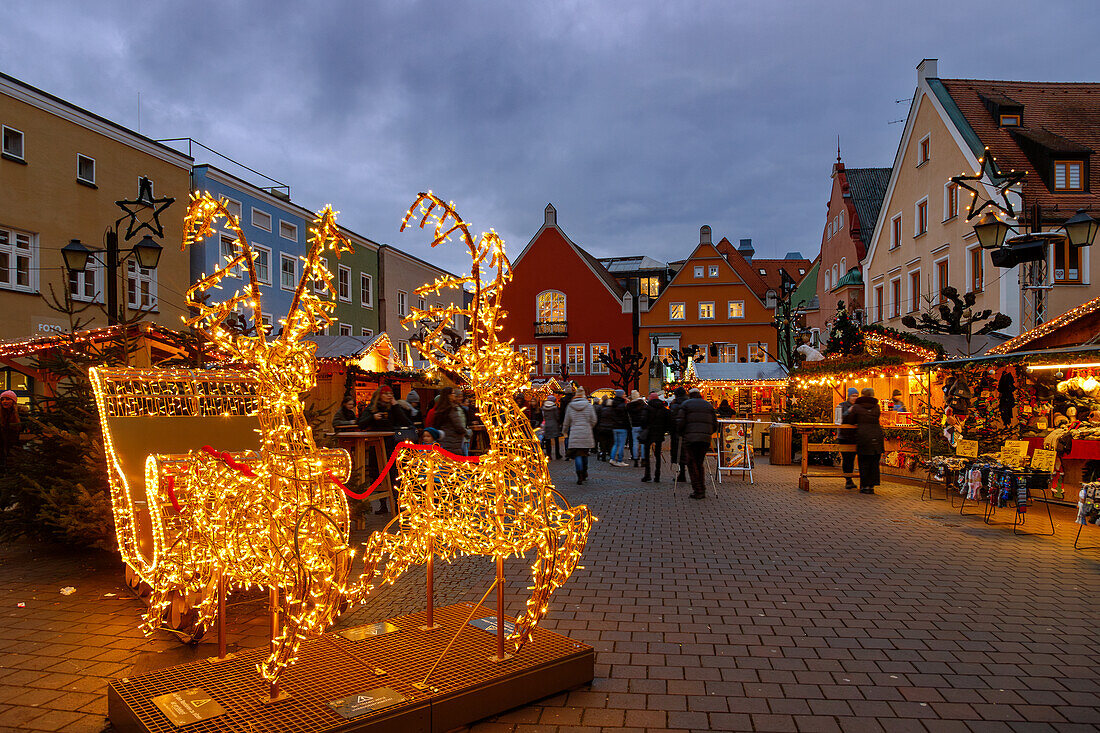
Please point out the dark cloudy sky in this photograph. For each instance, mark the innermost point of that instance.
(639, 120)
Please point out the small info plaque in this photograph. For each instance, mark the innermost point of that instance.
(1043, 460)
(362, 703)
(188, 706)
(358, 633)
(489, 623)
(967, 448)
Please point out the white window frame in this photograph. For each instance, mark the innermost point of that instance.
(93, 270)
(896, 224)
(723, 352)
(267, 322)
(223, 259)
(755, 349)
(402, 302)
(343, 287)
(698, 270)
(256, 262)
(531, 353)
(828, 281)
(30, 253)
(683, 311)
(920, 146)
(937, 285)
(345, 329)
(702, 305)
(319, 283)
(80, 178)
(404, 355)
(579, 367)
(878, 301)
(843, 266)
(288, 225)
(262, 213)
(547, 369)
(420, 303)
(594, 350)
(913, 297)
(564, 306)
(141, 275)
(22, 154)
(284, 257)
(367, 280)
(366, 333)
(969, 267)
(231, 204)
(729, 309)
(712, 270)
(895, 308)
(947, 215)
(916, 217)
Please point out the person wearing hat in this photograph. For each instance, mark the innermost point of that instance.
(896, 403)
(550, 420)
(697, 422)
(870, 440)
(430, 436)
(9, 425)
(847, 436)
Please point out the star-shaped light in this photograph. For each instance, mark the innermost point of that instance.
(143, 201)
(991, 172)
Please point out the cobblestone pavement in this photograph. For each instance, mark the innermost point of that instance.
(760, 608)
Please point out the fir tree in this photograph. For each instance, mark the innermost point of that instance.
(845, 338)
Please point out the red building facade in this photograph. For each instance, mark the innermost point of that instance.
(564, 308)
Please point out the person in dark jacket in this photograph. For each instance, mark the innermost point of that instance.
(724, 409)
(847, 436)
(604, 436)
(869, 439)
(696, 422)
(635, 410)
(620, 428)
(551, 427)
(347, 416)
(656, 422)
(9, 425)
(451, 419)
(676, 452)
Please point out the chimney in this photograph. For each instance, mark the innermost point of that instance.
(926, 69)
(704, 235)
(745, 249)
(551, 216)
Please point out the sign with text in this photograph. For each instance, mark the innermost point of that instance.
(966, 448)
(1014, 452)
(489, 623)
(362, 703)
(1043, 460)
(188, 706)
(358, 633)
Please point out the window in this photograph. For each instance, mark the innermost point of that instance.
(836, 276)
(675, 311)
(17, 252)
(85, 285)
(345, 329)
(921, 218)
(420, 303)
(402, 303)
(828, 281)
(366, 298)
(85, 169)
(13, 143)
(1010, 120)
(757, 352)
(261, 220)
(263, 264)
(649, 286)
(727, 353)
(233, 207)
(551, 359)
(895, 232)
(403, 353)
(763, 271)
(288, 231)
(575, 358)
(698, 271)
(706, 310)
(802, 271)
(550, 306)
(735, 309)
(1067, 262)
(343, 284)
(895, 298)
(265, 322)
(923, 150)
(843, 266)
(595, 351)
(712, 270)
(942, 280)
(914, 291)
(366, 333)
(1067, 175)
(950, 201)
(976, 270)
(531, 353)
(141, 287)
(877, 315)
(227, 249)
(288, 272)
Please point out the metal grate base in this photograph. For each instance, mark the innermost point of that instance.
(465, 687)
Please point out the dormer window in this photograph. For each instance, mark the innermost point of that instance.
(1010, 120)
(1069, 175)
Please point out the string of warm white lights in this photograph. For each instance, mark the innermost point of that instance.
(1043, 329)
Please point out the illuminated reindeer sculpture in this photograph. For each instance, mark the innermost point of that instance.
(221, 516)
(504, 503)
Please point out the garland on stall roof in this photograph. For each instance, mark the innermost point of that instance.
(847, 364)
(909, 339)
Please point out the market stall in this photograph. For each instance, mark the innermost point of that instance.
(755, 392)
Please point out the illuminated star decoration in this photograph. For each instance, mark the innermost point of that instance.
(991, 172)
(143, 201)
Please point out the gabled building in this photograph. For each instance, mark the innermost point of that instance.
(565, 308)
(851, 213)
(922, 241)
(716, 301)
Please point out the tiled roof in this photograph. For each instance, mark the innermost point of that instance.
(867, 187)
(1061, 117)
(742, 267)
(771, 269)
(601, 271)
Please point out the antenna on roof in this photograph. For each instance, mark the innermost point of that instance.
(838, 147)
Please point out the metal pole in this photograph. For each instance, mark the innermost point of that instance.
(221, 615)
(429, 569)
(500, 609)
(273, 599)
(112, 276)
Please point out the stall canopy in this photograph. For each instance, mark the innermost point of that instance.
(370, 355)
(763, 374)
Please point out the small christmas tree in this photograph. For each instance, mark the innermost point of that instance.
(845, 338)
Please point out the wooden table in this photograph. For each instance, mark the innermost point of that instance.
(358, 443)
(807, 447)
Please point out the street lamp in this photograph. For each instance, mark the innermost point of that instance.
(146, 252)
